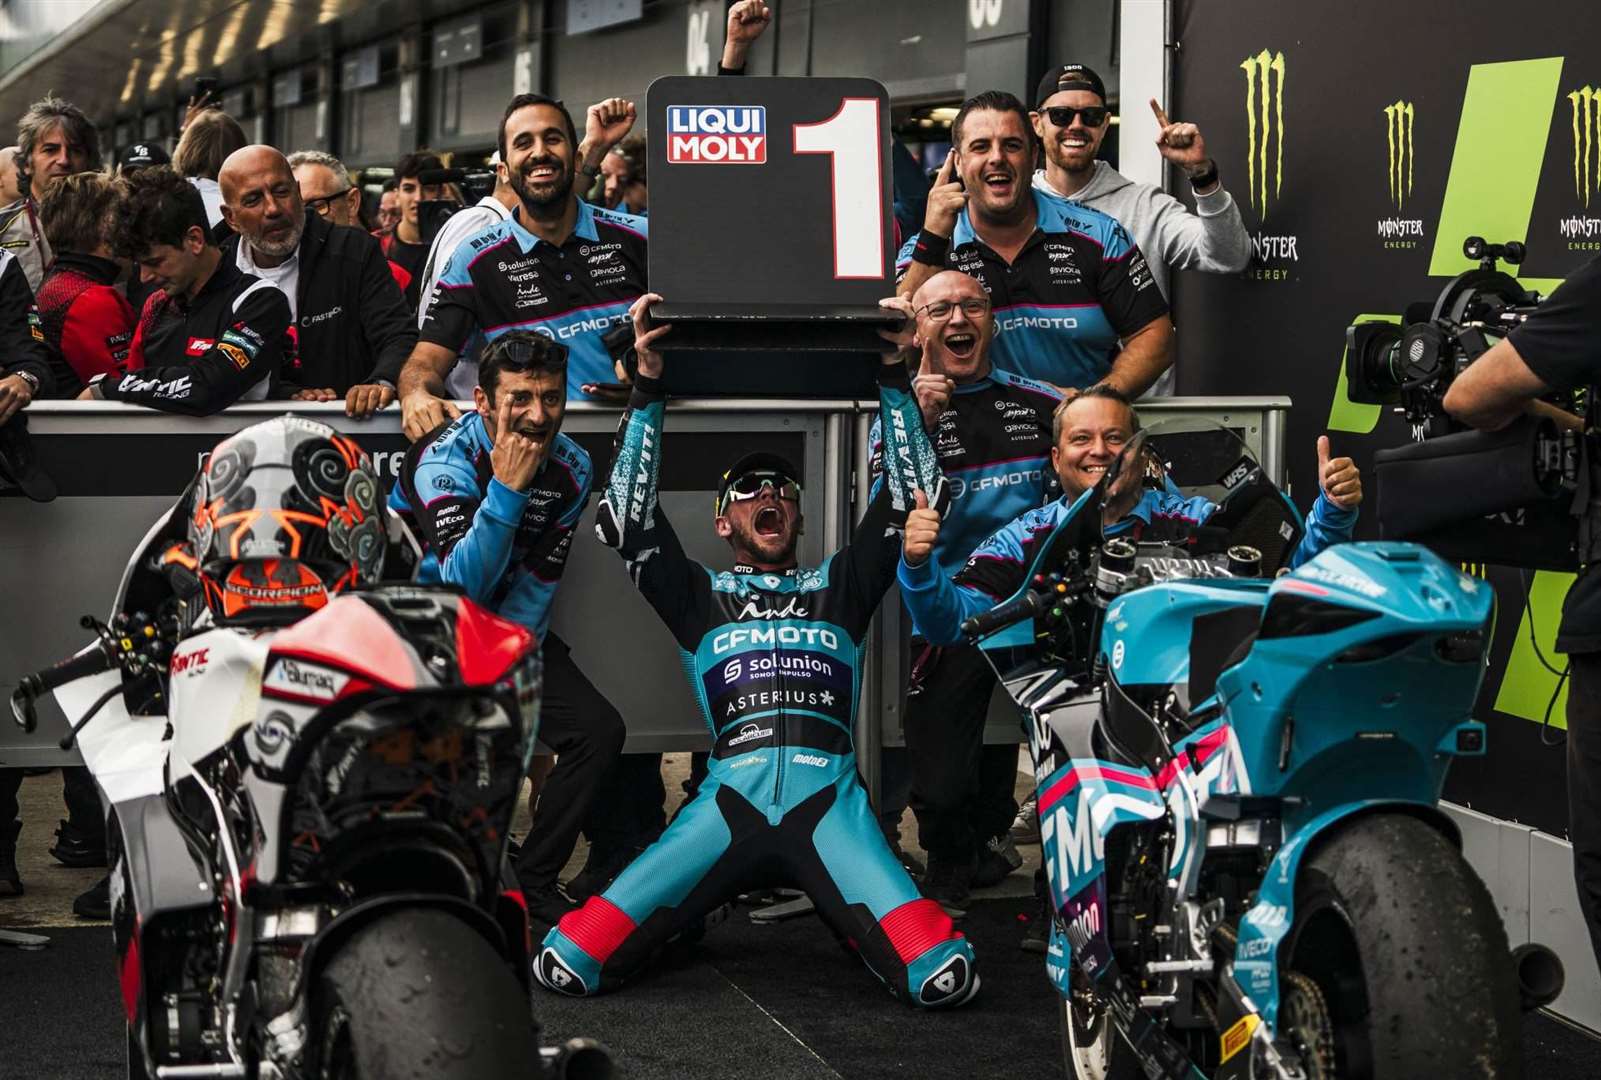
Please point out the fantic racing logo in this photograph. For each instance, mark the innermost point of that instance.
(1264, 159)
(716, 135)
(1399, 124)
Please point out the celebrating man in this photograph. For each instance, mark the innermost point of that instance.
(774, 650)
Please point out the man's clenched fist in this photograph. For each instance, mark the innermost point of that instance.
(922, 531)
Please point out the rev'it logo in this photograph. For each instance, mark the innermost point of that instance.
(1264, 125)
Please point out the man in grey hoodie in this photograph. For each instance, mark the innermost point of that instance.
(1212, 237)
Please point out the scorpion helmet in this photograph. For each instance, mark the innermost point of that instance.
(284, 514)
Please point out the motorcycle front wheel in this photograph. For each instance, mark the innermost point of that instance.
(1409, 953)
(419, 993)
(1092, 1048)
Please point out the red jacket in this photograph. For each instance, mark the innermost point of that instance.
(87, 323)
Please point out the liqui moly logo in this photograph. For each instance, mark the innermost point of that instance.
(716, 134)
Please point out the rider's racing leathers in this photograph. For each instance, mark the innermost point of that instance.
(774, 659)
(995, 570)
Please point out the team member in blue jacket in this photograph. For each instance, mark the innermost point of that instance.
(991, 431)
(1091, 429)
(496, 495)
(773, 651)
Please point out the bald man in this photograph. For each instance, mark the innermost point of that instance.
(353, 327)
(10, 182)
(991, 431)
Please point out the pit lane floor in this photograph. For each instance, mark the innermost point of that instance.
(776, 1001)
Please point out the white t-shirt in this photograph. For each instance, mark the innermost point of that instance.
(286, 275)
(211, 195)
(463, 378)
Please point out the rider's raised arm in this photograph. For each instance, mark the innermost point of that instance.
(471, 537)
(909, 466)
(630, 519)
(1326, 526)
(993, 573)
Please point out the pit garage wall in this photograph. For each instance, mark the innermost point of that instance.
(1364, 141)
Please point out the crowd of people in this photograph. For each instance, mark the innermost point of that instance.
(1032, 279)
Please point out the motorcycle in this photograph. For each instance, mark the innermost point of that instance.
(308, 830)
(1238, 781)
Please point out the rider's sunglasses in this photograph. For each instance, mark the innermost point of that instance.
(323, 204)
(520, 350)
(752, 484)
(1062, 115)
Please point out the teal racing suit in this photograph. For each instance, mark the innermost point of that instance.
(774, 658)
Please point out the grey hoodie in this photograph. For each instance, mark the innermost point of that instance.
(1170, 235)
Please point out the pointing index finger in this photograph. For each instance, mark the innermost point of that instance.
(944, 174)
(503, 418)
(1161, 117)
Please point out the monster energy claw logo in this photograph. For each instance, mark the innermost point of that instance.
(1586, 102)
(1399, 123)
(1269, 68)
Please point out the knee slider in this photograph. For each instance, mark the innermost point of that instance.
(944, 976)
(560, 966)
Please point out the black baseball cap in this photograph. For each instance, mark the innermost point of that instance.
(1069, 77)
(18, 466)
(760, 461)
(142, 156)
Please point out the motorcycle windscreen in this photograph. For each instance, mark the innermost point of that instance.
(1200, 473)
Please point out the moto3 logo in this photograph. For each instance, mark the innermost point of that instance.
(952, 979)
(810, 759)
(557, 976)
(984, 13)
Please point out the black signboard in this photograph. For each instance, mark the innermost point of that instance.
(772, 236)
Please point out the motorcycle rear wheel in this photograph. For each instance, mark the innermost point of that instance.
(419, 993)
(1408, 949)
(1092, 1048)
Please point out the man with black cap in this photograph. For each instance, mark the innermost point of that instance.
(1073, 298)
(1071, 118)
(772, 650)
(141, 156)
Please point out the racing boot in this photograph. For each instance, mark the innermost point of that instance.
(95, 902)
(79, 846)
(997, 859)
(949, 883)
(1026, 826)
(10, 880)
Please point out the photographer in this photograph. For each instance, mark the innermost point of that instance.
(1558, 348)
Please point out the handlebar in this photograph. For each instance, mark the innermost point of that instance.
(31, 687)
(1015, 610)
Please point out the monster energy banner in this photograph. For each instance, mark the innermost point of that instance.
(1364, 142)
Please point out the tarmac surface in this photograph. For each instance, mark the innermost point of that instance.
(771, 1001)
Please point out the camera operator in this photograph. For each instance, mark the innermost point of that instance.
(1558, 348)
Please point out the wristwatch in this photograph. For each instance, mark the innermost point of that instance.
(31, 379)
(1207, 178)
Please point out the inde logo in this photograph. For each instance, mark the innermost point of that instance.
(716, 135)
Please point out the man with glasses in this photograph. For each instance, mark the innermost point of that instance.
(328, 191)
(496, 495)
(773, 652)
(1073, 299)
(1071, 119)
(991, 432)
(352, 328)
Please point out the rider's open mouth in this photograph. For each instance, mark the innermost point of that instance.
(769, 522)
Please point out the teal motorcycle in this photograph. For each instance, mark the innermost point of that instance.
(1238, 775)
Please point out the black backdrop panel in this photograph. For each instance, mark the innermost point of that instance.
(1363, 142)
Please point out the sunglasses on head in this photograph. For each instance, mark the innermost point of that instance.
(521, 351)
(751, 484)
(1062, 115)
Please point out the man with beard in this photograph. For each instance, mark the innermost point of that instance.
(496, 495)
(991, 431)
(557, 266)
(772, 650)
(1071, 119)
(212, 334)
(353, 330)
(1073, 299)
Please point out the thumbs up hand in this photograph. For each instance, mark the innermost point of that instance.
(1338, 477)
(922, 531)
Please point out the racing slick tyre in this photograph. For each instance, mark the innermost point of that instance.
(1409, 952)
(419, 993)
(1092, 1048)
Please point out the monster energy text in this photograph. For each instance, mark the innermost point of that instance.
(1400, 121)
(1264, 161)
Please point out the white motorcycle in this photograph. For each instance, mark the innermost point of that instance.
(308, 813)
